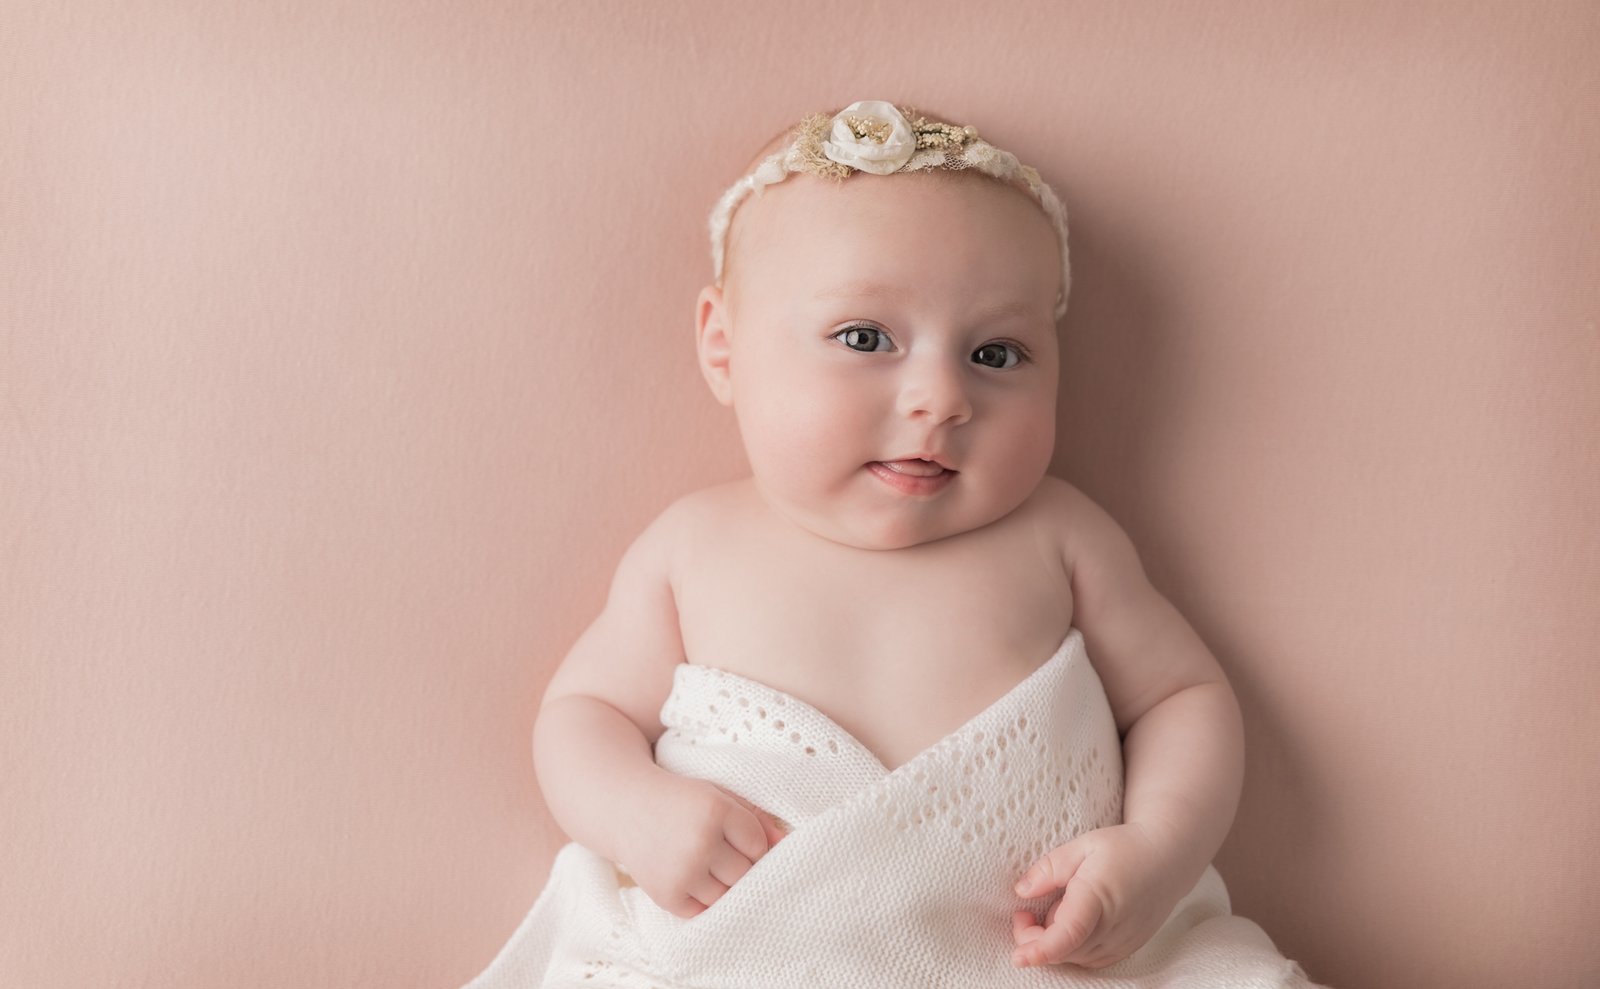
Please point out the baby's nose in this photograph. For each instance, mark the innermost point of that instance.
(935, 391)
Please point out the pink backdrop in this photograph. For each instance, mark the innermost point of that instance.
(344, 346)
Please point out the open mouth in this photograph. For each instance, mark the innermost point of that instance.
(913, 477)
(913, 468)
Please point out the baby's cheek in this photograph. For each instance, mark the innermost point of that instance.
(816, 413)
(1029, 446)
(1039, 443)
(791, 436)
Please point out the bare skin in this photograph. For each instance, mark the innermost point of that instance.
(900, 597)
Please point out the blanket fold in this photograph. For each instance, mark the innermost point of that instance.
(886, 878)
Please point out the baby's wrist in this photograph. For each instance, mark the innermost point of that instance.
(633, 797)
(1175, 850)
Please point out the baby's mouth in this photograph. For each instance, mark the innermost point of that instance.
(915, 468)
(914, 476)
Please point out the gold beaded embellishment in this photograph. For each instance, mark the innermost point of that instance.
(868, 129)
(936, 135)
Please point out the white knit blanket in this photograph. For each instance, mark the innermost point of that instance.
(886, 879)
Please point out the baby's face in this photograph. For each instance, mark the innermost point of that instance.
(889, 348)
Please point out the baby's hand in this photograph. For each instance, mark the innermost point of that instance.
(1120, 889)
(699, 839)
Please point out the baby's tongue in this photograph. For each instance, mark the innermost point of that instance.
(916, 468)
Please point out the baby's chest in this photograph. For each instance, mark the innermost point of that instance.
(898, 653)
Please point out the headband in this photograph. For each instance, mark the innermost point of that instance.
(878, 137)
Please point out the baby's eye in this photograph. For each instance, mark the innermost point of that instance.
(997, 355)
(864, 338)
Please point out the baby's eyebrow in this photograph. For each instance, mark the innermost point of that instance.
(1005, 310)
(852, 290)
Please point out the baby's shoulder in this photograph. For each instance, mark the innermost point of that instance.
(1059, 505)
(712, 508)
(1068, 518)
(692, 518)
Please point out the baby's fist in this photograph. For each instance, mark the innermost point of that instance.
(699, 840)
(1118, 890)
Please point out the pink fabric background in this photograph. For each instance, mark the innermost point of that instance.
(343, 348)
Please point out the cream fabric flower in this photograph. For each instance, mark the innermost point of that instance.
(870, 135)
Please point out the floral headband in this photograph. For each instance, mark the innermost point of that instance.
(880, 138)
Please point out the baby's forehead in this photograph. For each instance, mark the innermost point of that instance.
(808, 213)
(951, 235)
(940, 203)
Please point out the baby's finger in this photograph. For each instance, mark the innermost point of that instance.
(772, 829)
(745, 833)
(707, 890)
(1074, 923)
(728, 865)
(1053, 870)
(775, 829)
(1024, 927)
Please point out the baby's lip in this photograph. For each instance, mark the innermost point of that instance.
(920, 464)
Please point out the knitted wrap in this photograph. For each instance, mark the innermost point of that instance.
(887, 878)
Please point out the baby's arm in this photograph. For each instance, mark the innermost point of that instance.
(1183, 749)
(683, 841)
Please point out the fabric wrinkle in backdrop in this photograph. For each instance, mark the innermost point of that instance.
(344, 347)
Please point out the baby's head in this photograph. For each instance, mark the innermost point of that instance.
(885, 326)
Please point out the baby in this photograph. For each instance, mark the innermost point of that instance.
(878, 609)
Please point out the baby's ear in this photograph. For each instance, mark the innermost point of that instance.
(712, 342)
